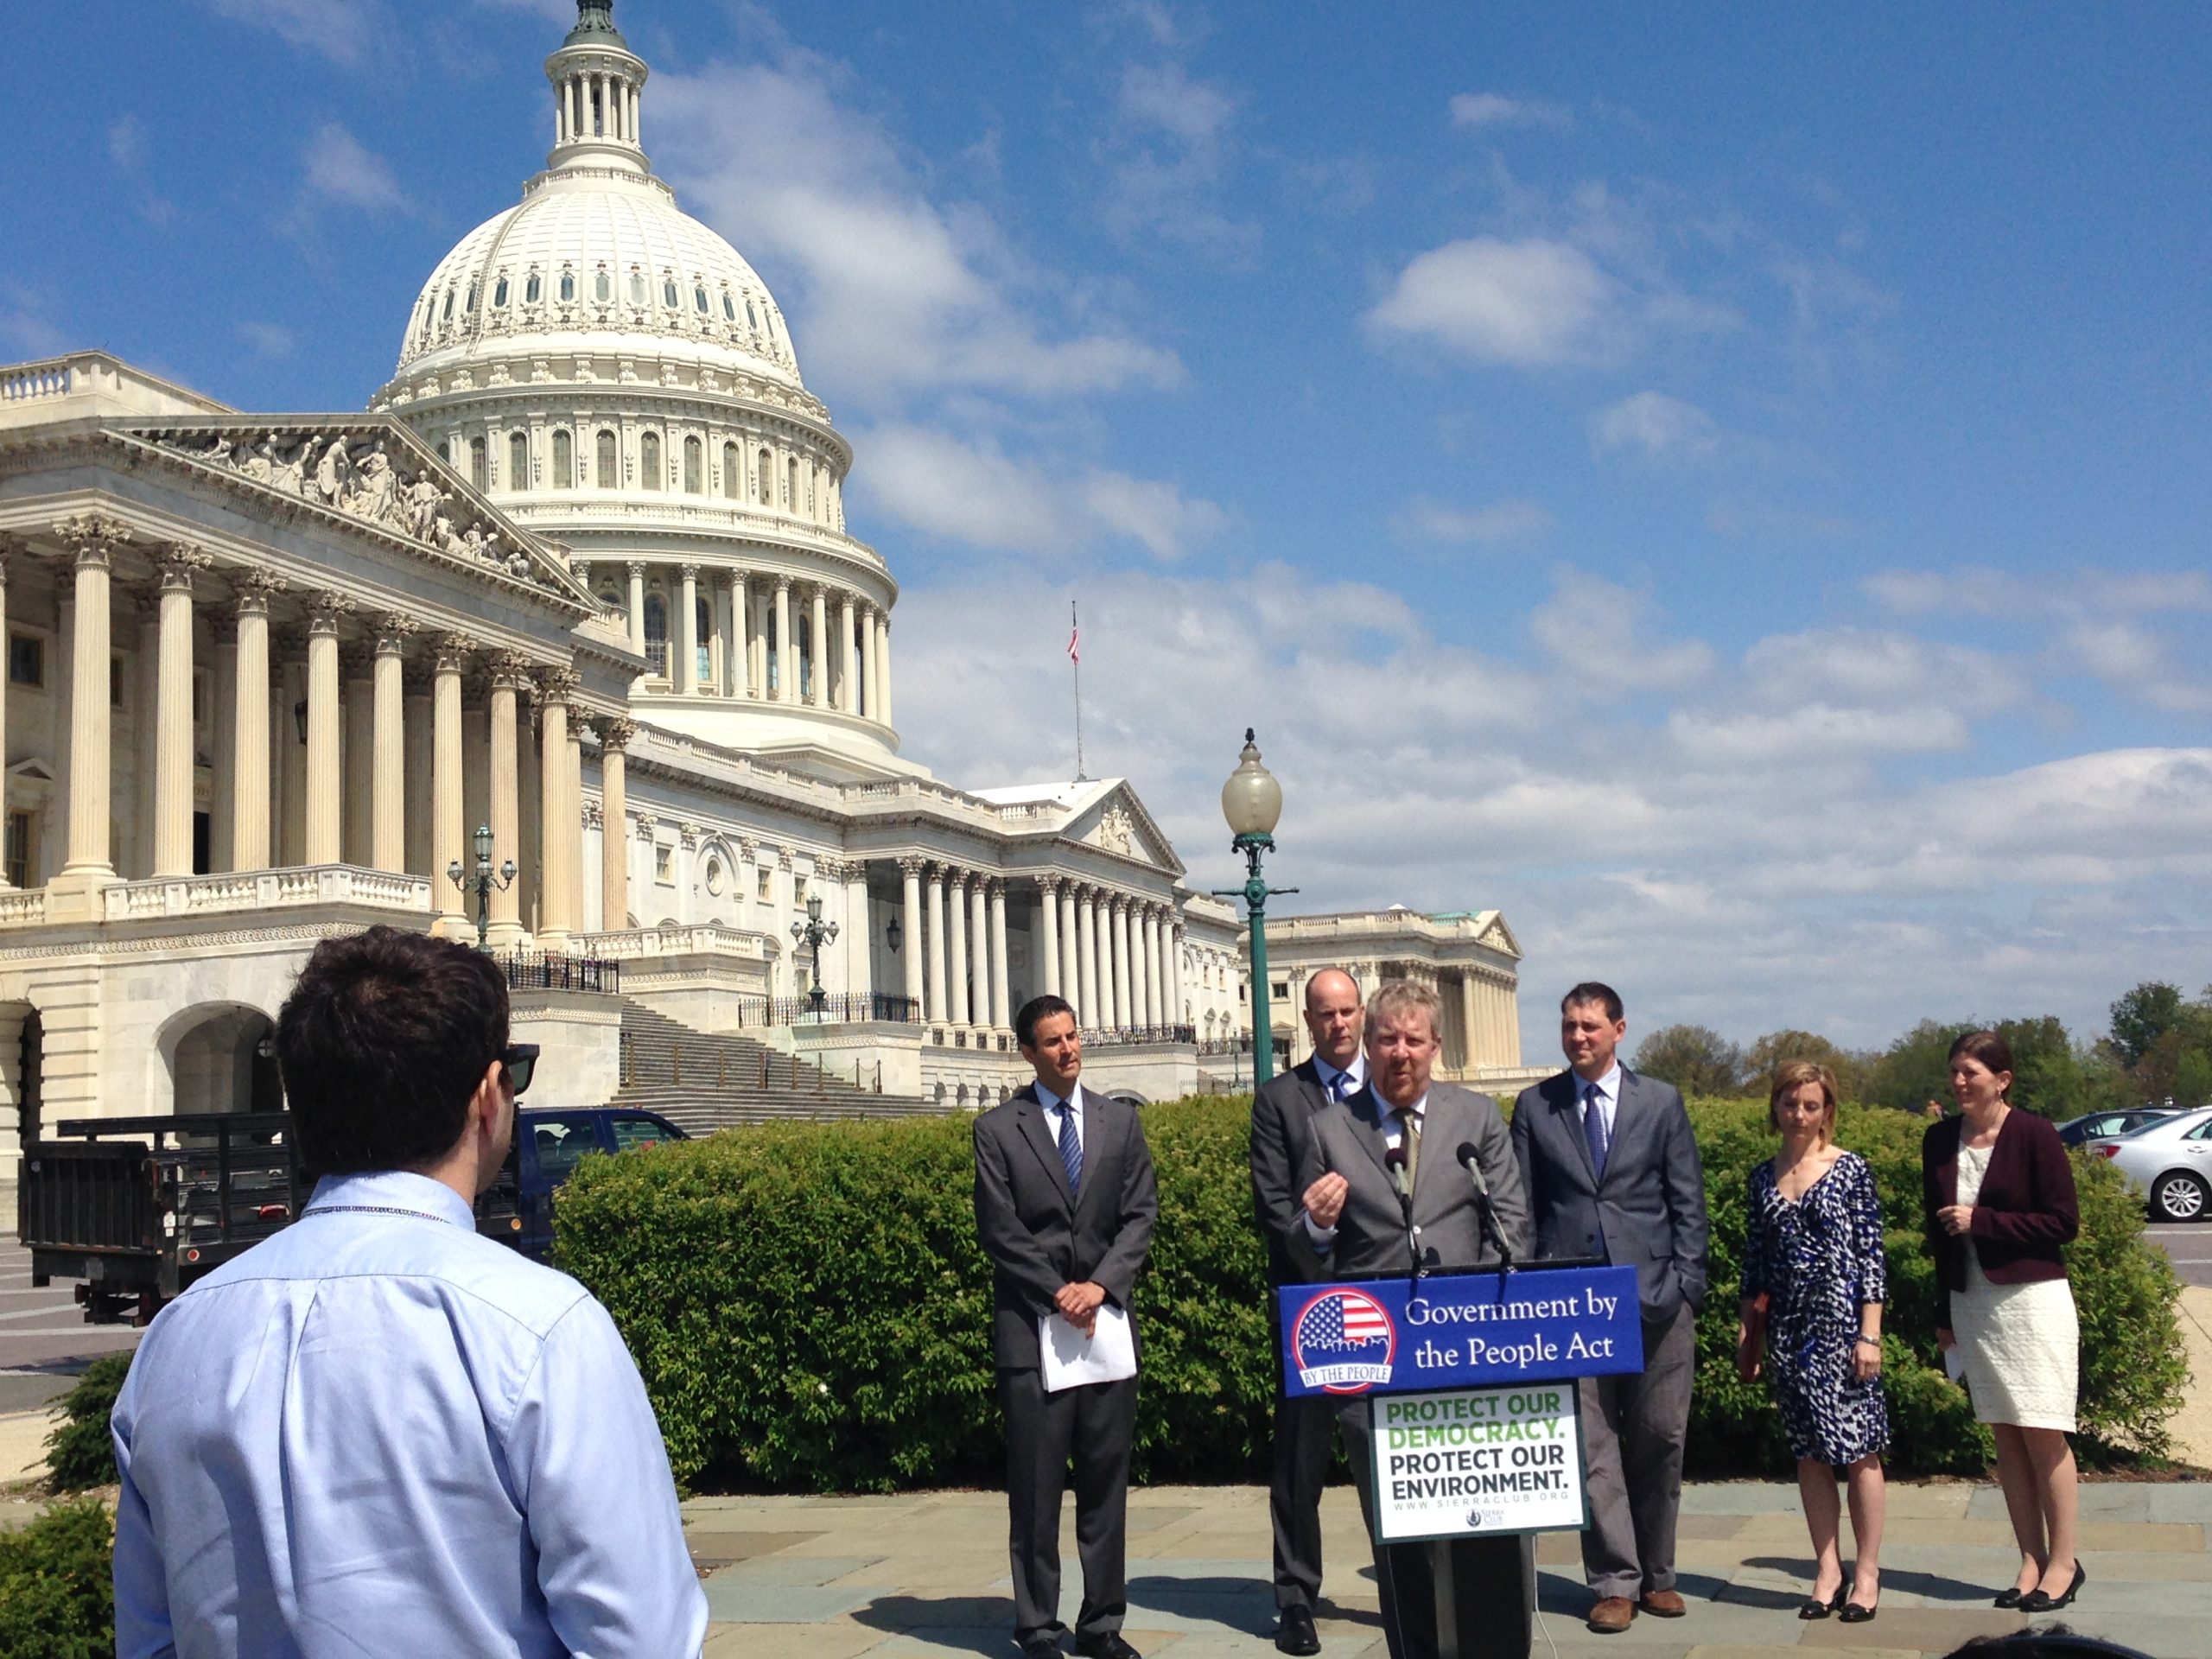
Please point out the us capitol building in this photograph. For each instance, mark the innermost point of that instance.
(581, 575)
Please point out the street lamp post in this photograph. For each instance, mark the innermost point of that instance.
(1252, 801)
(483, 881)
(814, 933)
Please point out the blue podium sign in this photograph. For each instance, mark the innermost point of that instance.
(1460, 1330)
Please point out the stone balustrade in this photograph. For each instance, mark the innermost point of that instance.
(284, 889)
(699, 938)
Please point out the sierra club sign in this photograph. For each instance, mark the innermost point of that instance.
(1460, 1329)
(1478, 1460)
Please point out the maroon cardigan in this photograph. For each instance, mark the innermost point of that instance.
(2026, 1209)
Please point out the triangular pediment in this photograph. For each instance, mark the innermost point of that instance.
(1494, 934)
(1117, 822)
(371, 473)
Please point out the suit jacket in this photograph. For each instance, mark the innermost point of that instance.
(1647, 1213)
(1038, 1238)
(2026, 1209)
(1370, 1242)
(1282, 1114)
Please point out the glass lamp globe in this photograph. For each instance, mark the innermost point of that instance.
(1251, 800)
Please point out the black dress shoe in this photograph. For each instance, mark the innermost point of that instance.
(2012, 1598)
(1041, 1647)
(1109, 1646)
(1295, 1633)
(1856, 1613)
(2038, 1602)
(1814, 1607)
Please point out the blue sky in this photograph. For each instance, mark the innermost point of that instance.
(1728, 486)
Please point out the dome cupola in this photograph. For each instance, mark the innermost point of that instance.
(597, 86)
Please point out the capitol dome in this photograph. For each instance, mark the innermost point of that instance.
(618, 378)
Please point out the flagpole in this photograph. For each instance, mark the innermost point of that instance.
(1075, 659)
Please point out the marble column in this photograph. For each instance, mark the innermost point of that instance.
(1089, 1014)
(686, 632)
(956, 905)
(1175, 1010)
(638, 607)
(1156, 971)
(92, 539)
(324, 786)
(1045, 936)
(818, 648)
(740, 641)
(554, 923)
(979, 951)
(1118, 914)
(1001, 1001)
(848, 690)
(250, 765)
(871, 669)
(572, 822)
(614, 737)
(356, 665)
(1139, 980)
(388, 738)
(1071, 951)
(448, 821)
(883, 664)
(717, 640)
(935, 1013)
(509, 674)
(909, 881)
(787, 658)
(172, 711)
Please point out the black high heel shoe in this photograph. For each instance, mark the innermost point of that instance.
(2036, 1602)
(1814, 1607)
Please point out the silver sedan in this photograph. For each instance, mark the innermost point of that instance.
(2169, 1161)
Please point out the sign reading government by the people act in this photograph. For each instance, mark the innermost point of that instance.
(1477, 1460)
(1460, 1330)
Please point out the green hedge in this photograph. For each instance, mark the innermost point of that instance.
(81, 1452)
(811, 1310)
(57, 1598)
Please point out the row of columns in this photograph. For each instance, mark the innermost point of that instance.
(379, 737)
(1113, 955)
(958, 969)
(1490, 1019)
(596, 106)
(852, 675)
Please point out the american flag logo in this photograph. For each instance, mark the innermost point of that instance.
(1342, 1342)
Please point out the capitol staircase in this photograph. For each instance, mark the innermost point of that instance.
(704, 1081)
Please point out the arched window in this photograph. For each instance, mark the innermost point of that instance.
(732, 473)
(609, 473)
(752, 319)
(517, 460)
(656, 634)
(564, 462)
(729, 307)
(699, 300)
(637, 287)
(480, 464)
(649, 476)
(568, 286)
(471, 306)
(694, 466)
(765, 475)
(499, 296)
(603, 286)
(812, 474)
(609, 600)
(445, 316)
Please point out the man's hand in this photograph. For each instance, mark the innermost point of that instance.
(1956, 1218)
(1079, 1305)
(1325, 1199)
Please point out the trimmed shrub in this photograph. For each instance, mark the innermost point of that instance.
(811, 1310)
(81, 1453)
(57, 1598)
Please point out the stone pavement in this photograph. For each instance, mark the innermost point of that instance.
(924, 1576)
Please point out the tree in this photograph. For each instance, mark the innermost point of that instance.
(2141, 1017)
(1916, 1069)
(1696, 1059)
(1778, 1048)
(2052, 1079)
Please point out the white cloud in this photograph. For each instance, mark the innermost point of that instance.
(1426, 519)
(1527, 303)
(341, 169)
(25, 331)
(1496, 110)
(1172, 153)
(1655, 428)
(338, 29)
(1596, 633)
(270, 338)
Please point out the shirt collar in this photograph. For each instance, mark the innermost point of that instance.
(1608, 1087)
(397, 1190)
(1356, 1070)
(1387, 1112)
(1052, 1103)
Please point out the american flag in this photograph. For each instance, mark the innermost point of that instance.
(1075, 637)
(1347, 1319)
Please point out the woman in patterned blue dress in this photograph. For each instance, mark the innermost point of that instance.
(1813, 1248)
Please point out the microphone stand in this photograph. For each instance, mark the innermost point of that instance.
(1395, 1158)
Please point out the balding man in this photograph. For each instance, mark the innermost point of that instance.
(1282, 1114)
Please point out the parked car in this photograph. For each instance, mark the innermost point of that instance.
(2169, 1161)
(549, 1144)
(2107, 1126)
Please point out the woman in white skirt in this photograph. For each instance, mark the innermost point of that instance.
(1999, 1193)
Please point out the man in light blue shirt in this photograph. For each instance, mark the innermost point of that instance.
(377, 1433)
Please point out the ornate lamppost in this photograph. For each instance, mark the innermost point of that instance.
(483, 881)
(1252, 801)
(814, 933)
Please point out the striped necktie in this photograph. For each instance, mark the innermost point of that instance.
(1070, 1148)
(1409, 1140)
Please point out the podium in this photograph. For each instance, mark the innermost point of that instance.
(1469, 1421)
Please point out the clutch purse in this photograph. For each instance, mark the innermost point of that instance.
(1752, 1347)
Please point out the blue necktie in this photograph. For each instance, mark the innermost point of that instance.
(1593, 1127)
(1070, 1148)
(1340, 1087)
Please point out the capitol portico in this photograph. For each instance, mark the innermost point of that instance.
(581, 575)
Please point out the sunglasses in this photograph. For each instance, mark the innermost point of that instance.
(520, 1060)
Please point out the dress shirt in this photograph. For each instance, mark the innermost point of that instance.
(1325, 1238)
(1056, 1108)
(377, 1433)
(1329, 1074)
(1609, 1099)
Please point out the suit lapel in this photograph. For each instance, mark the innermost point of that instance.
(1441, 1131)
(1309, 1083)
(1568, 1109)
(1363, 1111)
(1030, 1115)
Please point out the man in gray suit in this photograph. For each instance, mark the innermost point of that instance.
(1612, 1171)
(1065, 1205)
(1381, 1166)
(1282, 1112)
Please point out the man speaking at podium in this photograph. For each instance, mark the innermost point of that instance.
(1384, 1184)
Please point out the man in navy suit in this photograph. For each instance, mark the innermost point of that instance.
(1611, 1170)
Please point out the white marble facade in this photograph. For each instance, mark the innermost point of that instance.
(581, 574)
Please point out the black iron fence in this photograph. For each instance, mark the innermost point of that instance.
(531, 970)
(1136, 1036)
(837, 1008)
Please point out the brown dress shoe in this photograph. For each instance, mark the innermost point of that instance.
(1611, 1614)
(1663, 1603)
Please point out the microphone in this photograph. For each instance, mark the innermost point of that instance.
(1485, 1212)
(1394, 1159)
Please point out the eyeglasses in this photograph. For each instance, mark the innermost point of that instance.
(520, 1060)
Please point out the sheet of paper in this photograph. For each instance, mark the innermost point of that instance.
(1071, 1359)
(1955, 1363)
